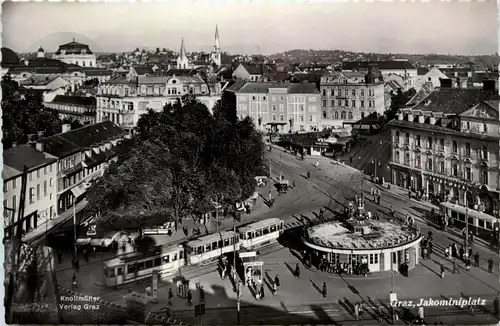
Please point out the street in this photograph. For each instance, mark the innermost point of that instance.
(331, 185)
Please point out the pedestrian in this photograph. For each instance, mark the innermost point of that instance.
(371, 191)
(447, 252)
(361, 308)
(189, 298)
(293, 184)
(350, 159)
(378, 199)
(490, 265)
(77, 264)
(297, 270)
(170, 297)
(74, 284)
(409, 194)
(421, 313)
(442, 270)
(476, 259)
(308, 175)
(471, 309)
(470, 252)
(262, 291)
(317, 164)
(324, 290)
(275, 288)
(356, 310)
(202, 295)
(277, 281)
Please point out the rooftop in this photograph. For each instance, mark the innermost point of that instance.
(37, 80)
(382, 234)
(74, 100)
(292, 88)
(454, 101)
(21, 155)
(385, 65)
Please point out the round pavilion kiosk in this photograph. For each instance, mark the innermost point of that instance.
(381, 244)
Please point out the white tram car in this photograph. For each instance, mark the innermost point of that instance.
(260, 233)
(208, 248)
(134, 266)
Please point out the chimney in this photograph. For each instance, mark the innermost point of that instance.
(432, 120)
(410, 117)
(445, 83)
(488, 85)
(400, 116)
(66, 127)
(39, 146)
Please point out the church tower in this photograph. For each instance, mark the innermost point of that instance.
(182, 59)
(216, 52)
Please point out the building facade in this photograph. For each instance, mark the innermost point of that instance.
(401, 68)
(447, 146)
(78, 108)
(290, 107)
(41, 188)
(349, 97)
(123, 100)
(75, 53)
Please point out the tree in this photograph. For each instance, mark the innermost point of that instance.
(23, 113)
(180, 160)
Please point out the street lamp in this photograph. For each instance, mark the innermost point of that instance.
(466, 229)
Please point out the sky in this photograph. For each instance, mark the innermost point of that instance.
(265, 27)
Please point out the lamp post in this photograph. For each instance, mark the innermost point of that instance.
(466, 229)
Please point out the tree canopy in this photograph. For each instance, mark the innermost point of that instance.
(23, 113)
(180, 161)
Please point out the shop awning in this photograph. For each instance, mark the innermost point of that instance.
(78, 190)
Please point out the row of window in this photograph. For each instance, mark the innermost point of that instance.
(345, 103)
(371, 92)
(144, 265)
(312, 118)
(482, 153)
(343, 115)
(281, 98)
(214, 245)
(260, 232)
(31, 176)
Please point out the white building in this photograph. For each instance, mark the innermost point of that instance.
(76, 53)
(432, 76)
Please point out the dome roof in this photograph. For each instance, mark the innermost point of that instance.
(40, 49)
(9, 56)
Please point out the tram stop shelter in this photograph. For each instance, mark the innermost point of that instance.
(252, 267)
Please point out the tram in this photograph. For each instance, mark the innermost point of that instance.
(208, 248)
(135, 266)
(260, 233)
(480, 223)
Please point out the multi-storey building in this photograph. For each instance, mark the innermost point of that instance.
(349, 97)
(401, 68)
(78, 108)
(41, 191)
(447, 146)
(76, 53)
(123, 100)
(292, 107)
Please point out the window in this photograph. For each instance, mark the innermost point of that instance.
(149, 264)
(350, 116)
(353, 92)
(362, 103)
(441, 166)
(166, 259)
(274, 117)
(253, 98)
(324, 103)
(342, 115)
(484, 177)
(301, 108)
(454, 147)
(311, 118)
(282, 107)
(429, 164)
(417, 160)
(467, 149)
(417, 141)
(339, 103)
(45, 188)
(362, 115)
(324, 92)
(324, 114)
(454, 169)
(339, 92)
(301, 118)
(274, 107)
(174, 258)
(468, 173)
(14, 202)
(441, 144)
(396, 140)
(407, 158)
(45, 169)
(336, 115)
(407, 138)
(263, 98)
(370, 103)
(32, 195)
(484, 153)
(14, 182)
(282, 98)
(51, 182)
(5, 186)
(429, 142)
(362, 92)
(396, 156)
(353, 103)
(282, 117)
(485, 127)
(346, 103)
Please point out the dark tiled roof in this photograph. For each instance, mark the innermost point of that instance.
(479, 77)
(424, 91)
(45, 63)
(258, 69)
(182, 72)
(74, 48)
(236, 86)
(292, 88)
(21, 155)
(73, 141)
(276, 76)
(142, 70)
(303, 88)
(454, 100)
(422, 71)
(74, 100)
(38, 80)
(357, 65)
(97, 72)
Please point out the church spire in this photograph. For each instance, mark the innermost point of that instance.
(182, 52)
(217, 42)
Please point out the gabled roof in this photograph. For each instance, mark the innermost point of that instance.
(21, 155)
(386, 65)
(258, 69)
(142, 70)
(67, 143)
(422, 71)
(455, 100)
(75, 100)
